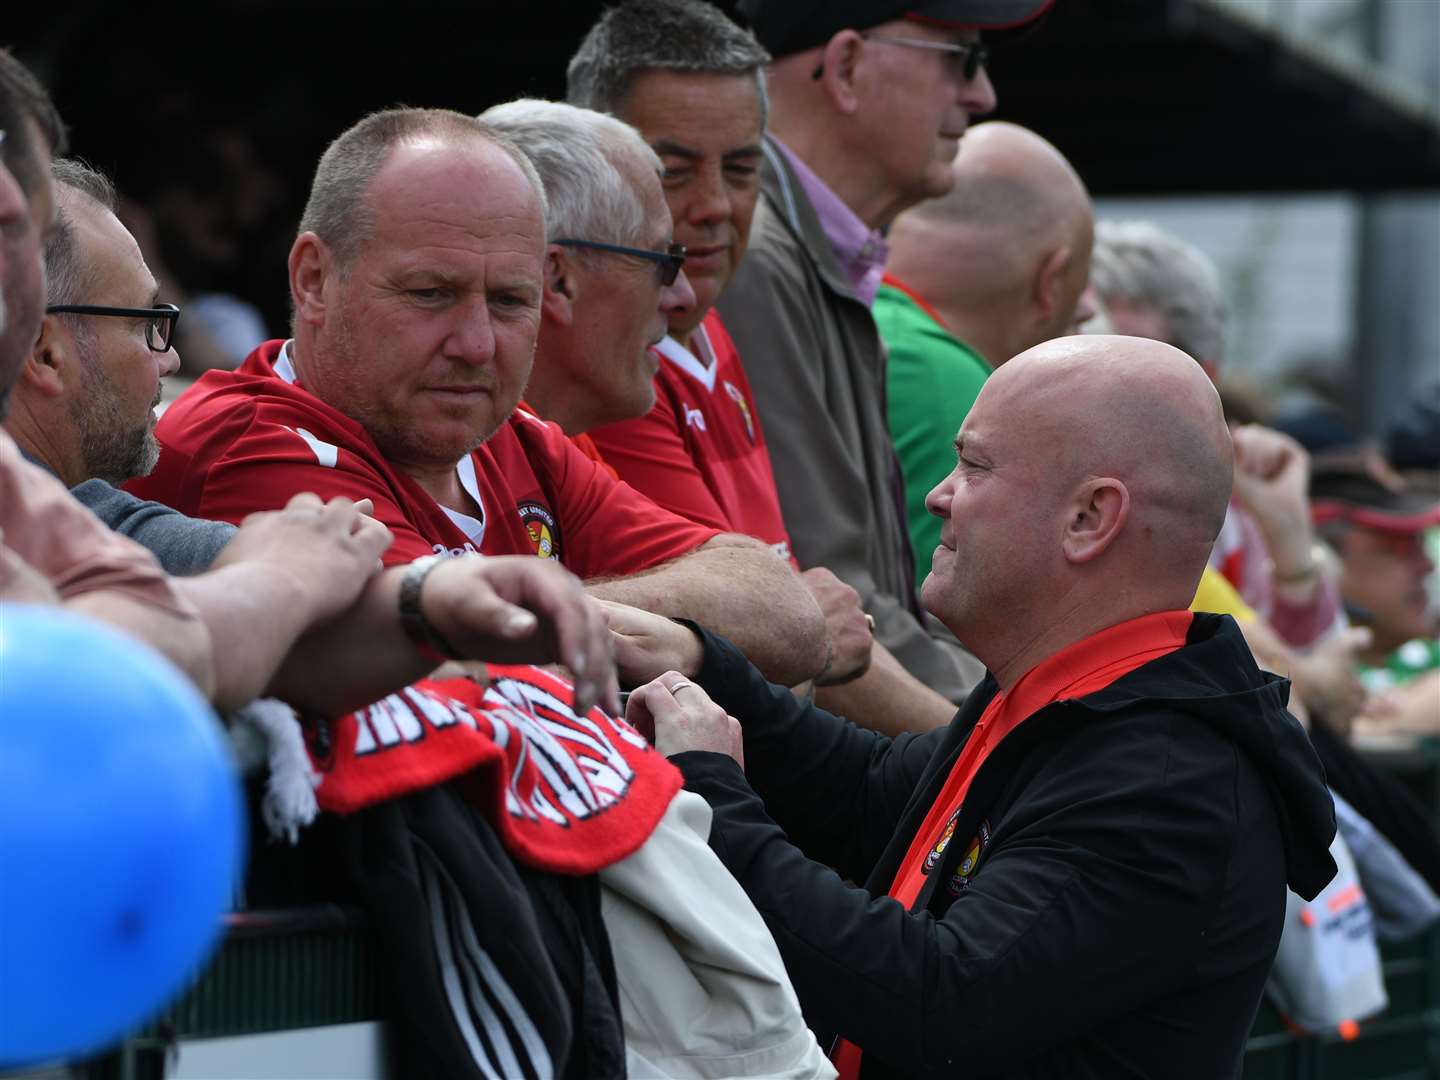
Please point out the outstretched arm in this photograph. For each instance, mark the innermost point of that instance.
(742, 590)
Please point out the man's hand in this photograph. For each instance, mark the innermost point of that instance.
(1326, 676)
(849, 631)
(676, 715)
(646, 644)
(1272, 478)
(327, 550)
(518, 609)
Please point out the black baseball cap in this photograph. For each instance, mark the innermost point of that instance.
(791, 26)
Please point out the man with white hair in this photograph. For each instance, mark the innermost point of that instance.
(613, 272)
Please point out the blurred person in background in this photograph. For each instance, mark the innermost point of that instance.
(974, 277)
(1378, 531)
(692, 83)
(867, 104)
(1154, 284)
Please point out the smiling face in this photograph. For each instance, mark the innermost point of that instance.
(1002, 518)
(914, 105)
(112, 407)
(428, 339)
(707, 130)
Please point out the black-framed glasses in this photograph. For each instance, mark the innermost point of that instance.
(968, 56)
(668, 261)
(159, 326)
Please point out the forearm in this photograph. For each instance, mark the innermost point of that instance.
(183, 640)
(253, 619)
(741, 590)
(348, 662)
(887, 699)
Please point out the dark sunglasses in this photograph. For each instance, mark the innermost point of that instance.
(668, 261)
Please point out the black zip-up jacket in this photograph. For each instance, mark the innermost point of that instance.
(1123, 914)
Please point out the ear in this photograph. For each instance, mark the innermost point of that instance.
(1098, 514)
(312, 267)
(1049, 283)
(55, 361)
(557, 305)
(840, 60)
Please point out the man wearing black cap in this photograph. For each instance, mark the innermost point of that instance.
(868, 102)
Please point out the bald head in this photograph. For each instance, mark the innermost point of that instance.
(1142, 412)
(1007, 252)
(1092, 481)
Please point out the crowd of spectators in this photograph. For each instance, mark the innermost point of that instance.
(764, 382)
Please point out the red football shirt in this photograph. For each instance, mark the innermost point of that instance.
(700, 452)
(247, 440)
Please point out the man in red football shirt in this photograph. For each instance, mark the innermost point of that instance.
(692, 82)
(417, 281)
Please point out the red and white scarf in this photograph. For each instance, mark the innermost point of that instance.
(565, 793)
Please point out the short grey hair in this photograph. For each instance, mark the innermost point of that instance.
(660, 35)
(67, 278)
(338, 211)
(579, 154)
(1141, 263)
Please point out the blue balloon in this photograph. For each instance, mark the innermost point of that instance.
(121, 833)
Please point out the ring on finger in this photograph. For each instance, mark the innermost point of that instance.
(870, 622)
(681, 685)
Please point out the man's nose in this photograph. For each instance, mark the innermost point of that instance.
(711, 203)
(938, 501)
(977, 95)
(168, 362)
(678, 296)
(473, 338)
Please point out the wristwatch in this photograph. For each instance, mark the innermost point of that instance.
(428, 641)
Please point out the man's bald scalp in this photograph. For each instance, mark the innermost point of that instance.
(1008, 178)
(1145, 413)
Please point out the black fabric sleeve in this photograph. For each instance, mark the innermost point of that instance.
(1092, 900)
(837, 790)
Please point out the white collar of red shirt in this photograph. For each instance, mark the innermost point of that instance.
(472, 527)
(700, 368)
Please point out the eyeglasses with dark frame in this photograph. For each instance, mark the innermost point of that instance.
(159, 329)
(668, 261)
(970, 56)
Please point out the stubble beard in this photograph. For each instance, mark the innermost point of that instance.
(111, 448)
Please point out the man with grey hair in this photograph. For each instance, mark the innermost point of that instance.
(83, 403)
(612, 268)
(415, 326)
(1156, 285)
(975, 277)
